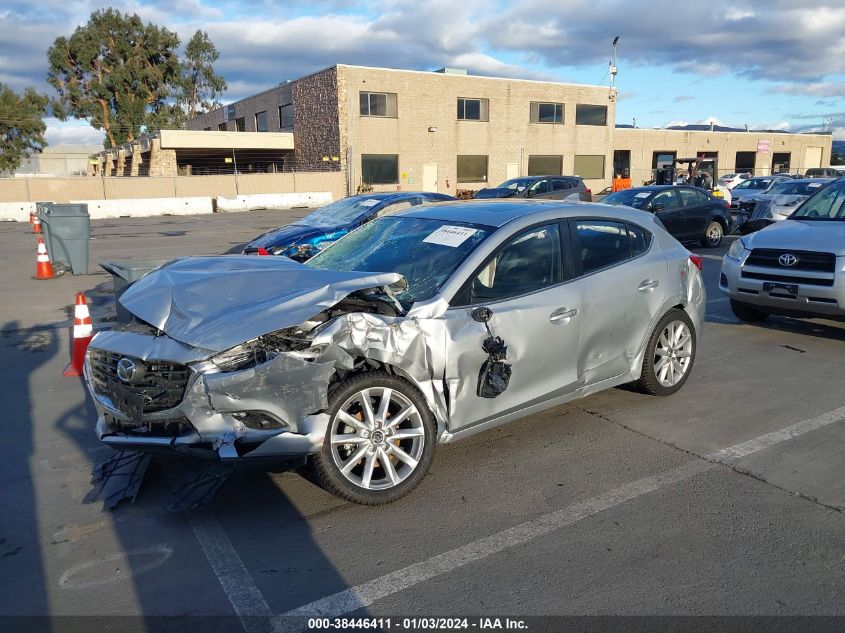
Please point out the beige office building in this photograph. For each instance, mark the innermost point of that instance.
(447, 130)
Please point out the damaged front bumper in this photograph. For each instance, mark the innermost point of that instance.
(169, 397)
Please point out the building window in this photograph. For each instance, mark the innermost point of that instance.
(472, 168)
(590, 114)
(780, 162)
(286, 116)
(206, 129)
(380, 169)
(659, 160)
(240, 124)
(261, 121)
(540, 165)
(378, 104)
(546, 112)
(473, 110)
(222, 127)
(230, 112)
(589, 167)
(745, 162)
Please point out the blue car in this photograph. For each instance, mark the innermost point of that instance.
(309, 235)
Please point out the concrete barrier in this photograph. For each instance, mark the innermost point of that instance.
(147, 207)
(274, 201)
(16, 211)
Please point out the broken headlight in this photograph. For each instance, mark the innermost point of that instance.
(264, 348)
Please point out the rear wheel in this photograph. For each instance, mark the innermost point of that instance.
(669, 356)
(380, 439)
(713, 235)
(745, 312)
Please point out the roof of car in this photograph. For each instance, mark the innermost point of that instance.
(489, 211)
(389, 195)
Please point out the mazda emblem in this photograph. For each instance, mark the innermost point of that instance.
(787, 259)
(126, 369)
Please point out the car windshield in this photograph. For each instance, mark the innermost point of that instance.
(629, 198)
(340, 212)
(517, 184)
(754, 183)
(425, 251)
(795, 188)
(827, 204)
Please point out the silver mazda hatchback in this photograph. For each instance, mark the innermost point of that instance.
(418, 328)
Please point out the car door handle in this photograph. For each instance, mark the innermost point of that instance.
(562, 313)
(648, 284)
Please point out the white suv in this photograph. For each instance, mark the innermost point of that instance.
(792, 268)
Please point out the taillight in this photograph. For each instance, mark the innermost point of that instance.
(727, 204)
(589, 191)
(696, 259)
(263, 251)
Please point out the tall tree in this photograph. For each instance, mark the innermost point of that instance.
(199, 86)
(21, 126)
(116, 71)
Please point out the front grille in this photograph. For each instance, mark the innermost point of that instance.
(807, 260)
(171, 427)
(161, 387)
(809, 281)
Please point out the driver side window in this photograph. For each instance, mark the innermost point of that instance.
(541, 186)
(529, 262)
(666, 198)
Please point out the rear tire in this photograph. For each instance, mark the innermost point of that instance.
(375, 451)
(713, 235)
(669, 355)
(745, 312)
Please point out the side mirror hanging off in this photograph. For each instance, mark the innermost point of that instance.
(482, 315)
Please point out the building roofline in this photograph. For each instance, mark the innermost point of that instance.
(757, 132)
(492, 78)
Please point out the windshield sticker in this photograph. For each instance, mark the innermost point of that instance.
(370, 203)
(643, 194)
(814, 184)
(450, 235)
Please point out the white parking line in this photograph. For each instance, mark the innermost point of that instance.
(241, 590)
(369, 592)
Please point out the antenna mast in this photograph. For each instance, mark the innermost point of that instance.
(612, 67)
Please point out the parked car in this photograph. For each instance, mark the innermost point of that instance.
(822, 172)
(553, 187)
(326, 225)
(776, 203)
(732, 180)
(688, 213)
(419, 328)
(794, 267)
(753, 186)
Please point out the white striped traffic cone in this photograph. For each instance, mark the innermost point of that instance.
(83, 332)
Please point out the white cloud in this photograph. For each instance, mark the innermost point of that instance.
(72, 132)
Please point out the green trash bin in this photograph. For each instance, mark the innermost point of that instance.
(67, 230)
(124, 273)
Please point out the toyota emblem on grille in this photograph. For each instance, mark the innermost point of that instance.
(787, 259)
(126, 369)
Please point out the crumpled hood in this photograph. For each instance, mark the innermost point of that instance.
(221, 301)
(289, 235)
(807, 235)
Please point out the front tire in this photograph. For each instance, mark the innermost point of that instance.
(713, 235)
(380, 440)
(745, 312)
(669, 355)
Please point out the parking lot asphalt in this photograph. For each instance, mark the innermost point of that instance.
(724, 499)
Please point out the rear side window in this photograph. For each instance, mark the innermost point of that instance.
(639, 238)
(601, 243)
(559, 184)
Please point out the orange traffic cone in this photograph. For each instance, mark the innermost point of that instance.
(36, 224)
(43, 267)
(83, 331)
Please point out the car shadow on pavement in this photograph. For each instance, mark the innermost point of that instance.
(195, 563)
(23, 585)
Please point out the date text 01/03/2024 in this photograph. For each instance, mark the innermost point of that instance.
(417, 623)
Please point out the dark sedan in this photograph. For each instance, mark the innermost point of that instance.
(326, 225)
(688, 213)
(541, 187)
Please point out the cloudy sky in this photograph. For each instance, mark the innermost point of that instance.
(767, 64)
